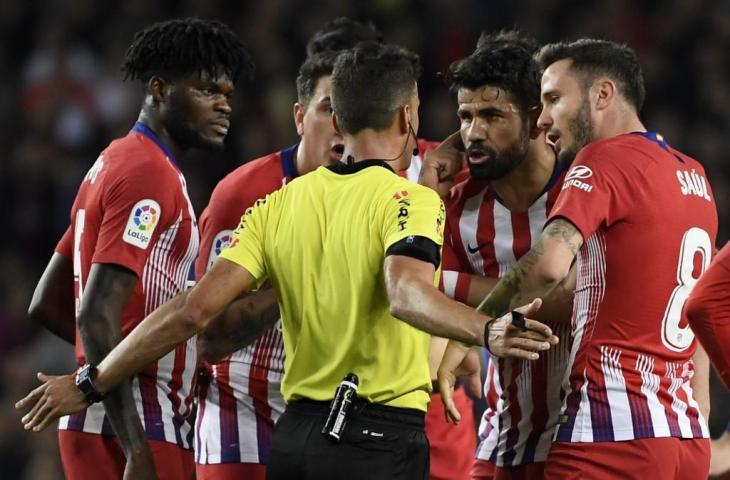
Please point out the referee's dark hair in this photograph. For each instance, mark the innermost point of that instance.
(370, 83)
(593, 58)
(342, 33)
(177, 47)
(503, 60)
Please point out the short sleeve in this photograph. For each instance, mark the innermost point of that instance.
(216, 233)
(247, 245)
(413, 210)
(594, 190)
(66, 244)
(136, 207)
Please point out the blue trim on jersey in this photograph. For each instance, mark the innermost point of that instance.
(659, 140)
(140, 127)
(287, 162)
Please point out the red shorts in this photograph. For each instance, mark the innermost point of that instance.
(452, 446)
(91, 456)
(484, 470)
(230, 471)
(665, 458)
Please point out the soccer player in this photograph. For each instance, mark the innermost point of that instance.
(639, 219)
(492, 219)
(240, 404)
(130, 246)
(709, 305)
(352, 253)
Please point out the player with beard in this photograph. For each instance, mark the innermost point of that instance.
(639, 220)
(493, 218)
(240, 399)
(132, 241)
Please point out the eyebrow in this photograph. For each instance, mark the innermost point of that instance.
(480, 111)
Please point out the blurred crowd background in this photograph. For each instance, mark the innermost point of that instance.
(62, 99)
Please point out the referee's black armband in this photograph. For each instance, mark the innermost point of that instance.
(420, 248)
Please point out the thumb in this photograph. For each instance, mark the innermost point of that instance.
(42, 377)
(532, 308)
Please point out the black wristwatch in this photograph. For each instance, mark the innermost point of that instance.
(84, 382)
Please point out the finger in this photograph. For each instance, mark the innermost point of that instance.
(537, 336)
(48, 418)
(527, 344)
(38, 416)
(33, 411)
(31, 397)
(475, 385)
(42, 377)
(531, 308)
(521, 354)
(446, 388)
(538, 327)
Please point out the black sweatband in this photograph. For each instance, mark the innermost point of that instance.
(420, 248)
(486, 334)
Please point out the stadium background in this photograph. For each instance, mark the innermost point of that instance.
(62, 99)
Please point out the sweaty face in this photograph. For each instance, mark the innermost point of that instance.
(320, 142)
(566, 110)
(197, 110)
(494, 132)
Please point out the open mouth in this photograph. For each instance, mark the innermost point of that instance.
(553, 139)
(336, 152)
(477, 157)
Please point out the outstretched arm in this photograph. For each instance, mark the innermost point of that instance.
(168, 326)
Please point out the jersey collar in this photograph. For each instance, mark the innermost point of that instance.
(348, 168)
(140, 127)
(659, 140)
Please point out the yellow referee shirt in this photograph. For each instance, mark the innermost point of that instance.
(321, 240)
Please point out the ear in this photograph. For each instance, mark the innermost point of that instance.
(605, 91)
(336, 125)
(532, 115)
(157, 88)
(299, 118)
(404, 119)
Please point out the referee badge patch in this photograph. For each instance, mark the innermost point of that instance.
(143, 219)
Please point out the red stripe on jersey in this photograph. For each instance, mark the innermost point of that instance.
(522, 241)
(485, 237)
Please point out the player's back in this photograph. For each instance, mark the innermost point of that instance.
(325, 240)
(649, 223)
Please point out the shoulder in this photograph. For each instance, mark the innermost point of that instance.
(250, 181)
(464, 190)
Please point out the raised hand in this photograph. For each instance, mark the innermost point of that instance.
(508, 340)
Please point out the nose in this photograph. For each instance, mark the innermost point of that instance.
(476, 131)
(223, 105)
(544, 121)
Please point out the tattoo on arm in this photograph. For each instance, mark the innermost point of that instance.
(509, 287)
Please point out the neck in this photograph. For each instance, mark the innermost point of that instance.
(519, 190)
(149, 116)
(619, 122)
(385, 145)
(302, 161)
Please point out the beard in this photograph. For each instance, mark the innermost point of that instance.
(499, 164)
(581, 129)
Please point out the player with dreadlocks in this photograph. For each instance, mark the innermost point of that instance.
(130, 246)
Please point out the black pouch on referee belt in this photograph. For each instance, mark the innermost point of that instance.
(341, 406)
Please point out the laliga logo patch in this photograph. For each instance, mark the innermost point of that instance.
(222, 240)
(142, 222)
(575, 178)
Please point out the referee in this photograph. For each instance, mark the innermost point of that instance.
(352, 252)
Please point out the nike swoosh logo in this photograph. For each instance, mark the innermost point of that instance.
(475, 250)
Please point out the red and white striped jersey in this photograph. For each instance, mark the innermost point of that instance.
(241, 399)
(523, 398)
(649, 222)
(132, 209)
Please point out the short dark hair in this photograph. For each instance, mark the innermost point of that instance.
(313, 68)
(370, 83)
(504, 60)
(342, 33)
(177, 47)
(592, 58)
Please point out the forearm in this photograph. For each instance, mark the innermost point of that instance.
(157, 335)
(99, 336)
(701, 380)
(243, 321)
(423, 306)
(62, 326)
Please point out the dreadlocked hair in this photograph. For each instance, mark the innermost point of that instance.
(174, 48)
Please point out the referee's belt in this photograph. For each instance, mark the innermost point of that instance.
(364, 408)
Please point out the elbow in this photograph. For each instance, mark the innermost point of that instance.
(696, 311)
(550, 275)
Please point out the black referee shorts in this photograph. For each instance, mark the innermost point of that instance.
(379, 442)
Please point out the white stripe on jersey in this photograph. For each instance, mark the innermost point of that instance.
(449, 279)
(650, 383)
(679, 406)
(503, 238)
(468, 229)
(618, 399)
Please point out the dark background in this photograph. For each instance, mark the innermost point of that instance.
(62, 100)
